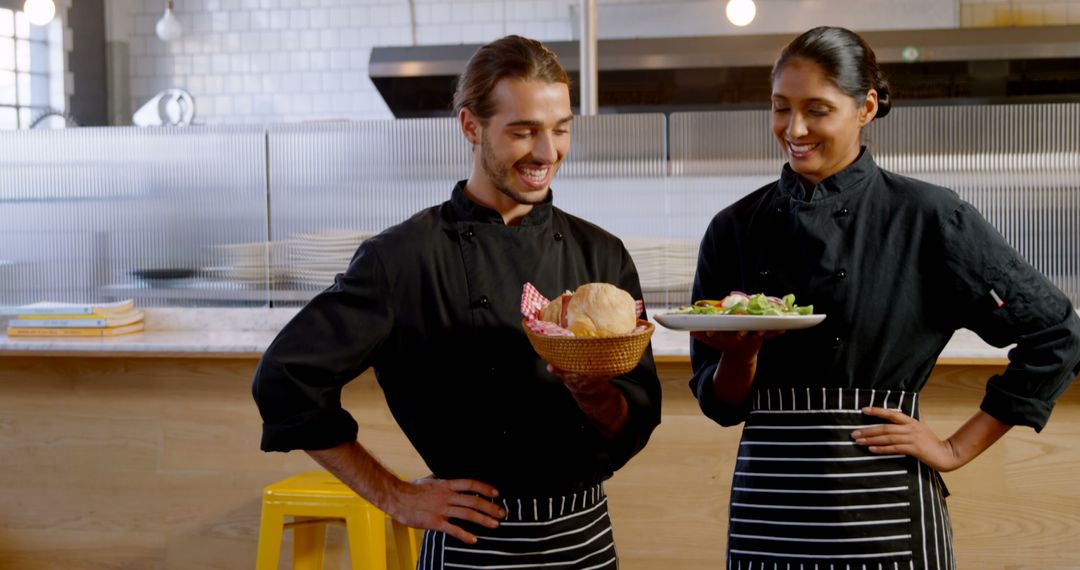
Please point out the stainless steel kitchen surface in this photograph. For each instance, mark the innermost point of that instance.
(225, 216)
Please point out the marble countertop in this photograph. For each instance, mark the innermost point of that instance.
(247, 333)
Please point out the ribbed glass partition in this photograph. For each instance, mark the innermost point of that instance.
(614, 177)
(716, 158)
(333, 185)
(252, 216)
(1017, 164)
(99, 214)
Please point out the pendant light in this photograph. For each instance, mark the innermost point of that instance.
(39, 12)
(740, 12)
(168, 28)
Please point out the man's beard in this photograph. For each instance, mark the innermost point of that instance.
(500, 175)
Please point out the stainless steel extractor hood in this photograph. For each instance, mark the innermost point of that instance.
(664, 74)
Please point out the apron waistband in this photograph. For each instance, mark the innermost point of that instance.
(541, 509)
(563, 531)
(839, 400)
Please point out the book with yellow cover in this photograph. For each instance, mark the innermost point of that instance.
(47, 308)
(91, 320)
(64, 332)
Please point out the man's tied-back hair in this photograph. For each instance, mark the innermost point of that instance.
(512, 56)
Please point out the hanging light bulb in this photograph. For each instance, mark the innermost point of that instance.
(740, 12)
(168, 28)
(39, 12)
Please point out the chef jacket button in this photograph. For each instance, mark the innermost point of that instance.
(843, 212)
(763, 273)
(841, 274)
(838, 342)
(483, 301)
(558, 236)
(468, 233)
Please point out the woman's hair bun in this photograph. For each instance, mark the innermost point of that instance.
(884, 103)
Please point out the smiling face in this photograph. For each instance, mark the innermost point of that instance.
(816, 123)
(518, 150)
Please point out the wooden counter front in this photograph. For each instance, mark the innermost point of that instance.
(122, 462)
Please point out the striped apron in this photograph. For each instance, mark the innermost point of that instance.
(805, 497)
(568, 531)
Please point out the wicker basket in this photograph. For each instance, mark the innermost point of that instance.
(592, 356)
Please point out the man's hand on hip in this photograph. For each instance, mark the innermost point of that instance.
(430, 503)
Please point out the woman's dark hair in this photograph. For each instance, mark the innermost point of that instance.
(511, 56)
(848, 61)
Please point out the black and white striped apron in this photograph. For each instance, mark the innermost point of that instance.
(568, 531)
(805, 497)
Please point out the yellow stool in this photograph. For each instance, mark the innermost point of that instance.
(317, 498)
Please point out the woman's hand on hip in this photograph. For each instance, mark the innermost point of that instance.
(907, 436)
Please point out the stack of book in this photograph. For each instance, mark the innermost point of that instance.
(75, 319)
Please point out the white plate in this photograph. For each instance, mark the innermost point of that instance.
(736, 322)
(334, 237)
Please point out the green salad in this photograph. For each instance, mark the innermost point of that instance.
(738, 303)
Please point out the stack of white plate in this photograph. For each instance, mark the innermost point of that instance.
(663, 264)
(315, 258)
(250, 263)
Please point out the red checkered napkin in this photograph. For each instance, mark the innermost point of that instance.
(532, 301)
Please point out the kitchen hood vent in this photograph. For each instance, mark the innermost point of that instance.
(723, 72)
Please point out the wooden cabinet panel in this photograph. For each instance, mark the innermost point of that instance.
(153, 463)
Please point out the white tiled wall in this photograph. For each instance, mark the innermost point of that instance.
(255, 61)
(252, 61)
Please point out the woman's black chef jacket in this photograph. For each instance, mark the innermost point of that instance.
(897, 265)
(433, 305)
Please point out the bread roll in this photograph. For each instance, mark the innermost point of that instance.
(600, 309)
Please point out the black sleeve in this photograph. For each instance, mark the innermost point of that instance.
(712, 280)
(298, 382)
(1005, 300)
(640, 387)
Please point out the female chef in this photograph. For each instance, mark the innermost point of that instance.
(835, 467)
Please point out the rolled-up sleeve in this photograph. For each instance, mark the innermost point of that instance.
(298, 382)
(1005, 300)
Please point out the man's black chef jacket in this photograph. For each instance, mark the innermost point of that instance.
(897, 265)
(433, 305)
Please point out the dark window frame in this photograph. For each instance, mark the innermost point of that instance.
(25, 111)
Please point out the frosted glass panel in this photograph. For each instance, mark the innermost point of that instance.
(97, 214)
(1018, 164)
(615, 177)
(333, 185)
(717, 158)
(256, 216)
